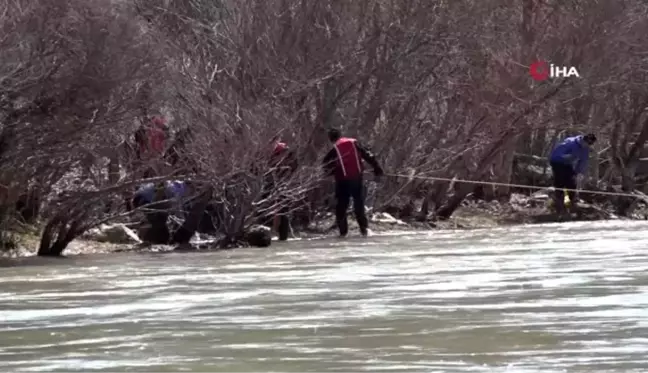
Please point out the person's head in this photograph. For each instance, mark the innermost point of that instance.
(334, 134)
(279, 148)
(158, 121)
(589, 139)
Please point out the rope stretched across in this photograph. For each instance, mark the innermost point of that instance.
(521, 186)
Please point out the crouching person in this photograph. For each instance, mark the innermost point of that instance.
(154, 198)
(568, 162)
(175, 196)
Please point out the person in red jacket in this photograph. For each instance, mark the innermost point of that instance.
(344, 162)
(283, 163)
(151, 139)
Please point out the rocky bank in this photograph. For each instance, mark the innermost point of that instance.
(519, 209)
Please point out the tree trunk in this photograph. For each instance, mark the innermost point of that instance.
(628, 165)
(28, 205)
(58, 234)
(113, 169)
(454, 202)
(504, 170)
(625, 205)
(506, 138)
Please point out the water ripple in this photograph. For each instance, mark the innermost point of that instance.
(552, 298)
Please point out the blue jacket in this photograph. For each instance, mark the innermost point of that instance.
(573, 152)
(173, 189)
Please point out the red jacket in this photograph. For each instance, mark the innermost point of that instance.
(348, 159)
(345, 160)
(282, 161)
(152, 137)
(279, 148)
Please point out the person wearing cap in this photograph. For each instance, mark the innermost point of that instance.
(282, 160)
(283, 163)
(568, 162)
(344, 162)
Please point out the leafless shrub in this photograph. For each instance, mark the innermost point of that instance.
(440, 88)
(69, 79)
(435, 88)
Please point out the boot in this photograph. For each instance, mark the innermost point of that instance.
(573, 202)
(559, 203)
(573, 208)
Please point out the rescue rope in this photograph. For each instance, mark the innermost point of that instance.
(521, 186)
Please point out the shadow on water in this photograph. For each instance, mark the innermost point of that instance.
(45, 261)
(80, 259)
(86, 259)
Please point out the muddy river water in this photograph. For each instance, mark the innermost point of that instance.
(547, 298)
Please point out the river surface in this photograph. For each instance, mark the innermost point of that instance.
(552, 298)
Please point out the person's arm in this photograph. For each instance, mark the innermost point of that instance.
(329, 162)
(291, 160)
(140, 141)
(167, 135)
(140, 136)
(284, 164)
(582, 163)
(370, 158)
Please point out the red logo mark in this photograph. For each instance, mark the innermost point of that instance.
(539, 70)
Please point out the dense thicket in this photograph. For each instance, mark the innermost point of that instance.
(440, 88)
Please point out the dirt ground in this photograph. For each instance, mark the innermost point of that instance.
(471, 215)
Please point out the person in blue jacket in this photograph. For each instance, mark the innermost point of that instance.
(175, 196)
(146, 193)
(161, 197)
(568, 162)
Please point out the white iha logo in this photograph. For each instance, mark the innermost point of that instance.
(541, 70)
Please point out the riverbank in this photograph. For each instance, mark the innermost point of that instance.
(473, 214)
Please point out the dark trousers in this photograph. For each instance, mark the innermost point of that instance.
(284, 226)
(564, 177)
(344, 191)
(159, 231)
(283, 214)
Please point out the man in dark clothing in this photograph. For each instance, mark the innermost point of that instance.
(283, 164)
(568, 163)
(344, 162)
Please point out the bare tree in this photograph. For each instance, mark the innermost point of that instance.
(69, 76)
(436, 89)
